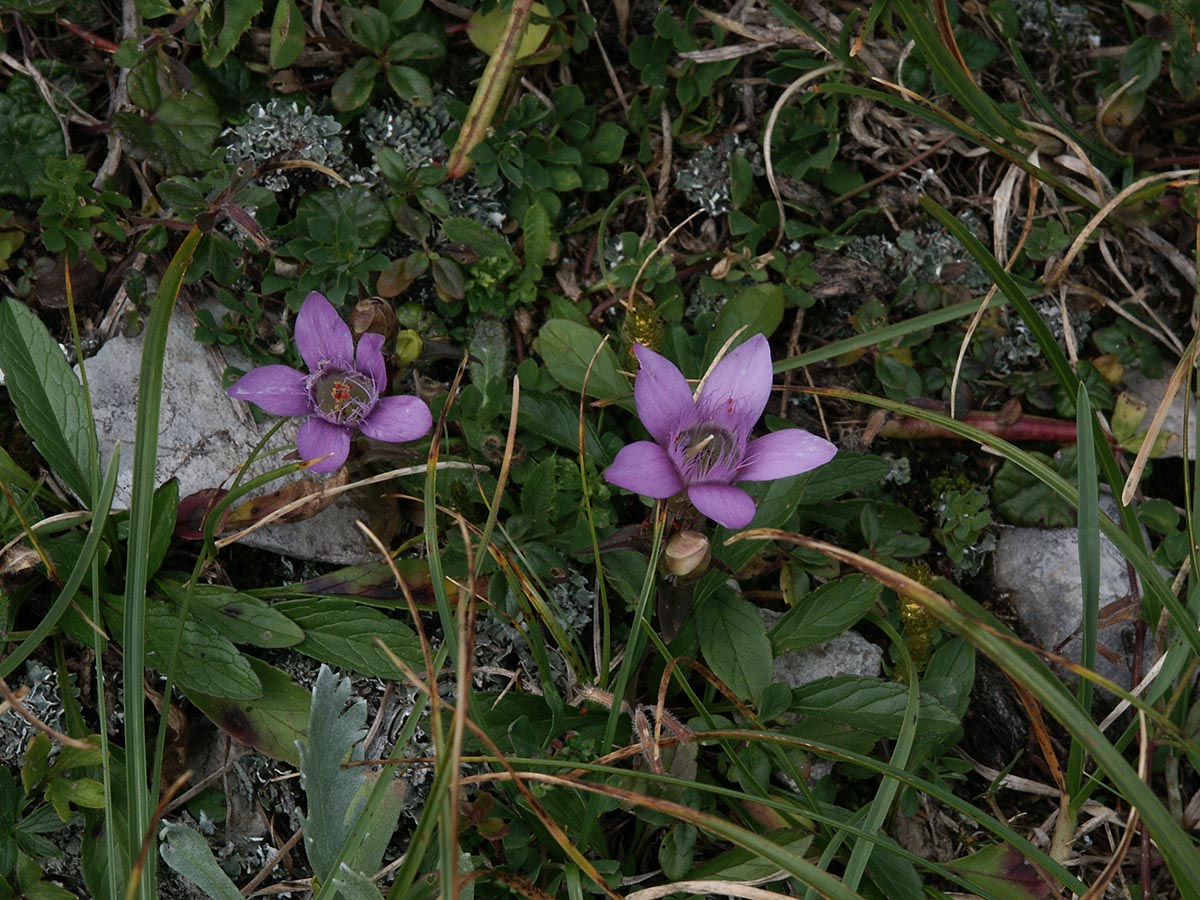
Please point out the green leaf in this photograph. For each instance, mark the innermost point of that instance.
(415, 45)
(344, 633)
(367, 26)
(271, 725)
(239, 617)
(556, 419)
(486, 29)
(287, 35)
(732, 637)
(872, 705)
(410, 85)
(826, 612)
(607, 144)
(29, 135)
(758, 309)
(567, 349)
(535, 226)
(1004, 873)
(187, 852)
(206, 662)
(49, 399)
(1141, 61)
(162, 522)
(234, 21)
(353, 87)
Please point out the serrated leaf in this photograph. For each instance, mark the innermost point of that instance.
(343, 633)
(844, 473)
(336, 728)
(49, 399)
(239, 617)
(732, 637)
(567, 349)
(287, 35)
(271, 725)
(535, 226)
(758, 309)
(187, 852)
(826, 612)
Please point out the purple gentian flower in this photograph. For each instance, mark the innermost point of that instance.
(339, 394)
(702, 443)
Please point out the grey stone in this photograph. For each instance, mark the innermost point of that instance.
(1038, 568)
(204, 437)
(1151, 391)
(847, 654)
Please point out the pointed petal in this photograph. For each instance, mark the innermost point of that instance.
(280, 390)
(320, 438)
(782, 454)
(321, 335)
(369, 359)
(736, 391)
(661, 393)
(644, 468)
(396, 419)
(723, 503)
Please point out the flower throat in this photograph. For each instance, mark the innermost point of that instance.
(705, 447)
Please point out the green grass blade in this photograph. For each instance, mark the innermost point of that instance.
(1089, 571)
(133, 636)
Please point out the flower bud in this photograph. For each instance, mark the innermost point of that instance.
(687, 555)
(373, 314)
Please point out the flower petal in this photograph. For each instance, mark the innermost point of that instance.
(280, 390)
(782, 454)
(369, 359)
(321, 335)
(644, 468)
(737, 389)
(396, 419)
(318, 438)
(723, 503)
(661, 394)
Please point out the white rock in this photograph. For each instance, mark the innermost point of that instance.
(1039, 570)
(204, 438)
(847, 654)
(1151, 392)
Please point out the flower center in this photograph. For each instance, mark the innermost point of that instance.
(705, 447)
(341, 397)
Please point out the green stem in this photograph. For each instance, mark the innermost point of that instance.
(133, 632)
(491, 88)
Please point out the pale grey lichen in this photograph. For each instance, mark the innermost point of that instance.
(1019, 347)
(43, 700)
(280, 130)
(926, 255)
(704, 178)
(502, 639)
(1044, 21)
(417, 134)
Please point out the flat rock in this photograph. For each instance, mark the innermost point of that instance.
(1151, 392)
(204, 438)
(1039, 570)
(847, 654)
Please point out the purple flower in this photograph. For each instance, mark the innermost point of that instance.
(340, 392)
(702, 444)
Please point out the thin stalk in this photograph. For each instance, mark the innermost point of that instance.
(133, 634)
(1089, 579)
(492, 85)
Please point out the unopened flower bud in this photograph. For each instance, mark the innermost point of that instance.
(408, 347)
(687, 555)
(373, 314)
